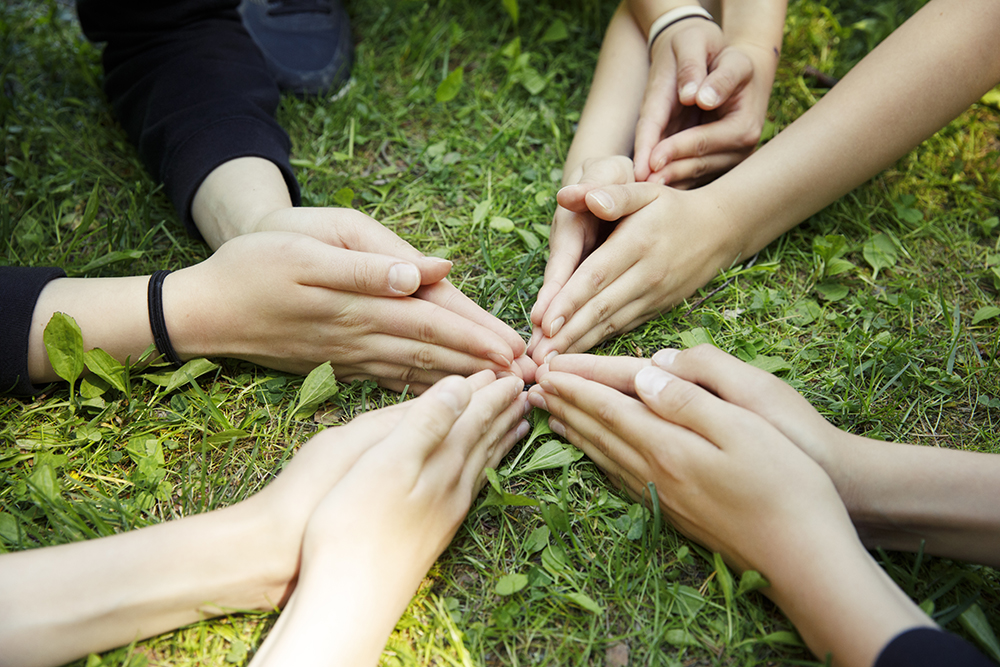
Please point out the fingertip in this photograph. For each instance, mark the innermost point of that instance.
(600, 202)
(708, 98)
(454, 392)
(665, 357)
(687, 93)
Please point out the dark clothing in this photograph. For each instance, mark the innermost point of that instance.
(190, 87)
(927, 647)
(20, 288)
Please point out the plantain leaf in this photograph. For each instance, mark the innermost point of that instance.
(449, 87)
(64, 345)
(319, 385)
(106, 367)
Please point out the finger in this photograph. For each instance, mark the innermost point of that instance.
(328, 266)
(686, 404)
(495, 337)
(615, 372)
(613, 202)
(731, 70)
(692, 56)
(527, 366)
(736, 132)
(594, 413)
(430, 418)
(696, 169)
(584, 332)
(569, 238)
(748, 387)
(504, 430)
(596, 172)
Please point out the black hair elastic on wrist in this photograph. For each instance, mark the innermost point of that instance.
(161, 339)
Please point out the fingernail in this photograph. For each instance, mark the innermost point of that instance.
(527, 406)
(499, 359)
(689, 90)
(537, 400)
(549, 357)
(547, 386)
(603, 199)
(557, 426)
(533, 340)
(708, 97)
(441, 261)
(404, 278)
(522, 430)
(660, 164)
(556, 326)
(665, 357)
(520, 385)
(504, 374)
(651, 380)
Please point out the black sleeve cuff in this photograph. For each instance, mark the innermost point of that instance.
(20, 287)
(930, 647)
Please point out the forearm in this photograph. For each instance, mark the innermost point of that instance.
(757, 22)
(235, 196)
(607, 124)
(64, 602)
(901, 496)
(915, 82)
(841, 601)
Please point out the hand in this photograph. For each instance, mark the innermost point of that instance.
(704, 106)
(353, 230)
(666, 245)
(731, 481)
(291, 302)
(374, 536)
(575, 232)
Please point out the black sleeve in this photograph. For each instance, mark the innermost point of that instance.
(20, 288)
(190, 87)
(927, 647)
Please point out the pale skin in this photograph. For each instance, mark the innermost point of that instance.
(356, 295)
(744, 465)
(305, 537)
(691, 107)
(922, 76)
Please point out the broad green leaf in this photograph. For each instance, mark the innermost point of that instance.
(829, 247)
(512, 49)
(319, 385)
(992, 98)
(770, 364)
(583, 600)
(751, 580)
(449, 87)
(832, 291)
(223, 437)
(838, 265)
(92, 386)
(110, 258)
(556, 32)
(974, 621)
(479, 213)
(512, 9)
(804, 312)
(540, 426)
(501, 224)
(538, 540)
(496, 498)
(680, 637)
(543, 230)
(725, 579)
(9, 531)
(237, 652)
(905, 212)
(689, 600)
(491, 477)
(695, 337)
(532, 81)
(189, 372)
(554, 559)
(529, 239)
(43, 481)
(344, 197)
(106, 367)
(880, 253)
(511, 583)
(985, 313)
(550, 454)
(64, 345)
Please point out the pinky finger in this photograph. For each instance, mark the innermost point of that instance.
(696, 168)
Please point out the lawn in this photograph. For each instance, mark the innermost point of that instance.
(881, 310)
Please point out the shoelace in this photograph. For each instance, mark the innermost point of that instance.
(282, 7)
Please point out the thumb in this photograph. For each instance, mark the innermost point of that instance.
(613, 202)
(359, 272)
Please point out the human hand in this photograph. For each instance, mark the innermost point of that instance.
(704, 107)
(374, 536)
(249, 301)
(353, 230)
(576, 231)
(666, 244)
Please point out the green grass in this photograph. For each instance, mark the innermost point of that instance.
(892, 356)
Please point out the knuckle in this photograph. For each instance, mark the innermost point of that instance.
(701, 146)
(411, 374)
(423, 359)
(609, 329)
(365, 276)
(598, 278)
(425, 331)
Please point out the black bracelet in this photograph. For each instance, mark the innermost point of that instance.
(675, 15)
(161, 339)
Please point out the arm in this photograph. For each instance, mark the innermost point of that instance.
(191, 90)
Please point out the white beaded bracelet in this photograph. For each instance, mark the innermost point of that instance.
(673, 16)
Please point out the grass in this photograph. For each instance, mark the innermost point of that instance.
(897, 355)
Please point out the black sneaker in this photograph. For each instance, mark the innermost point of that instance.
(306, 43)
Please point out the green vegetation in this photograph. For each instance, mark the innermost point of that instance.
(881, 309)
